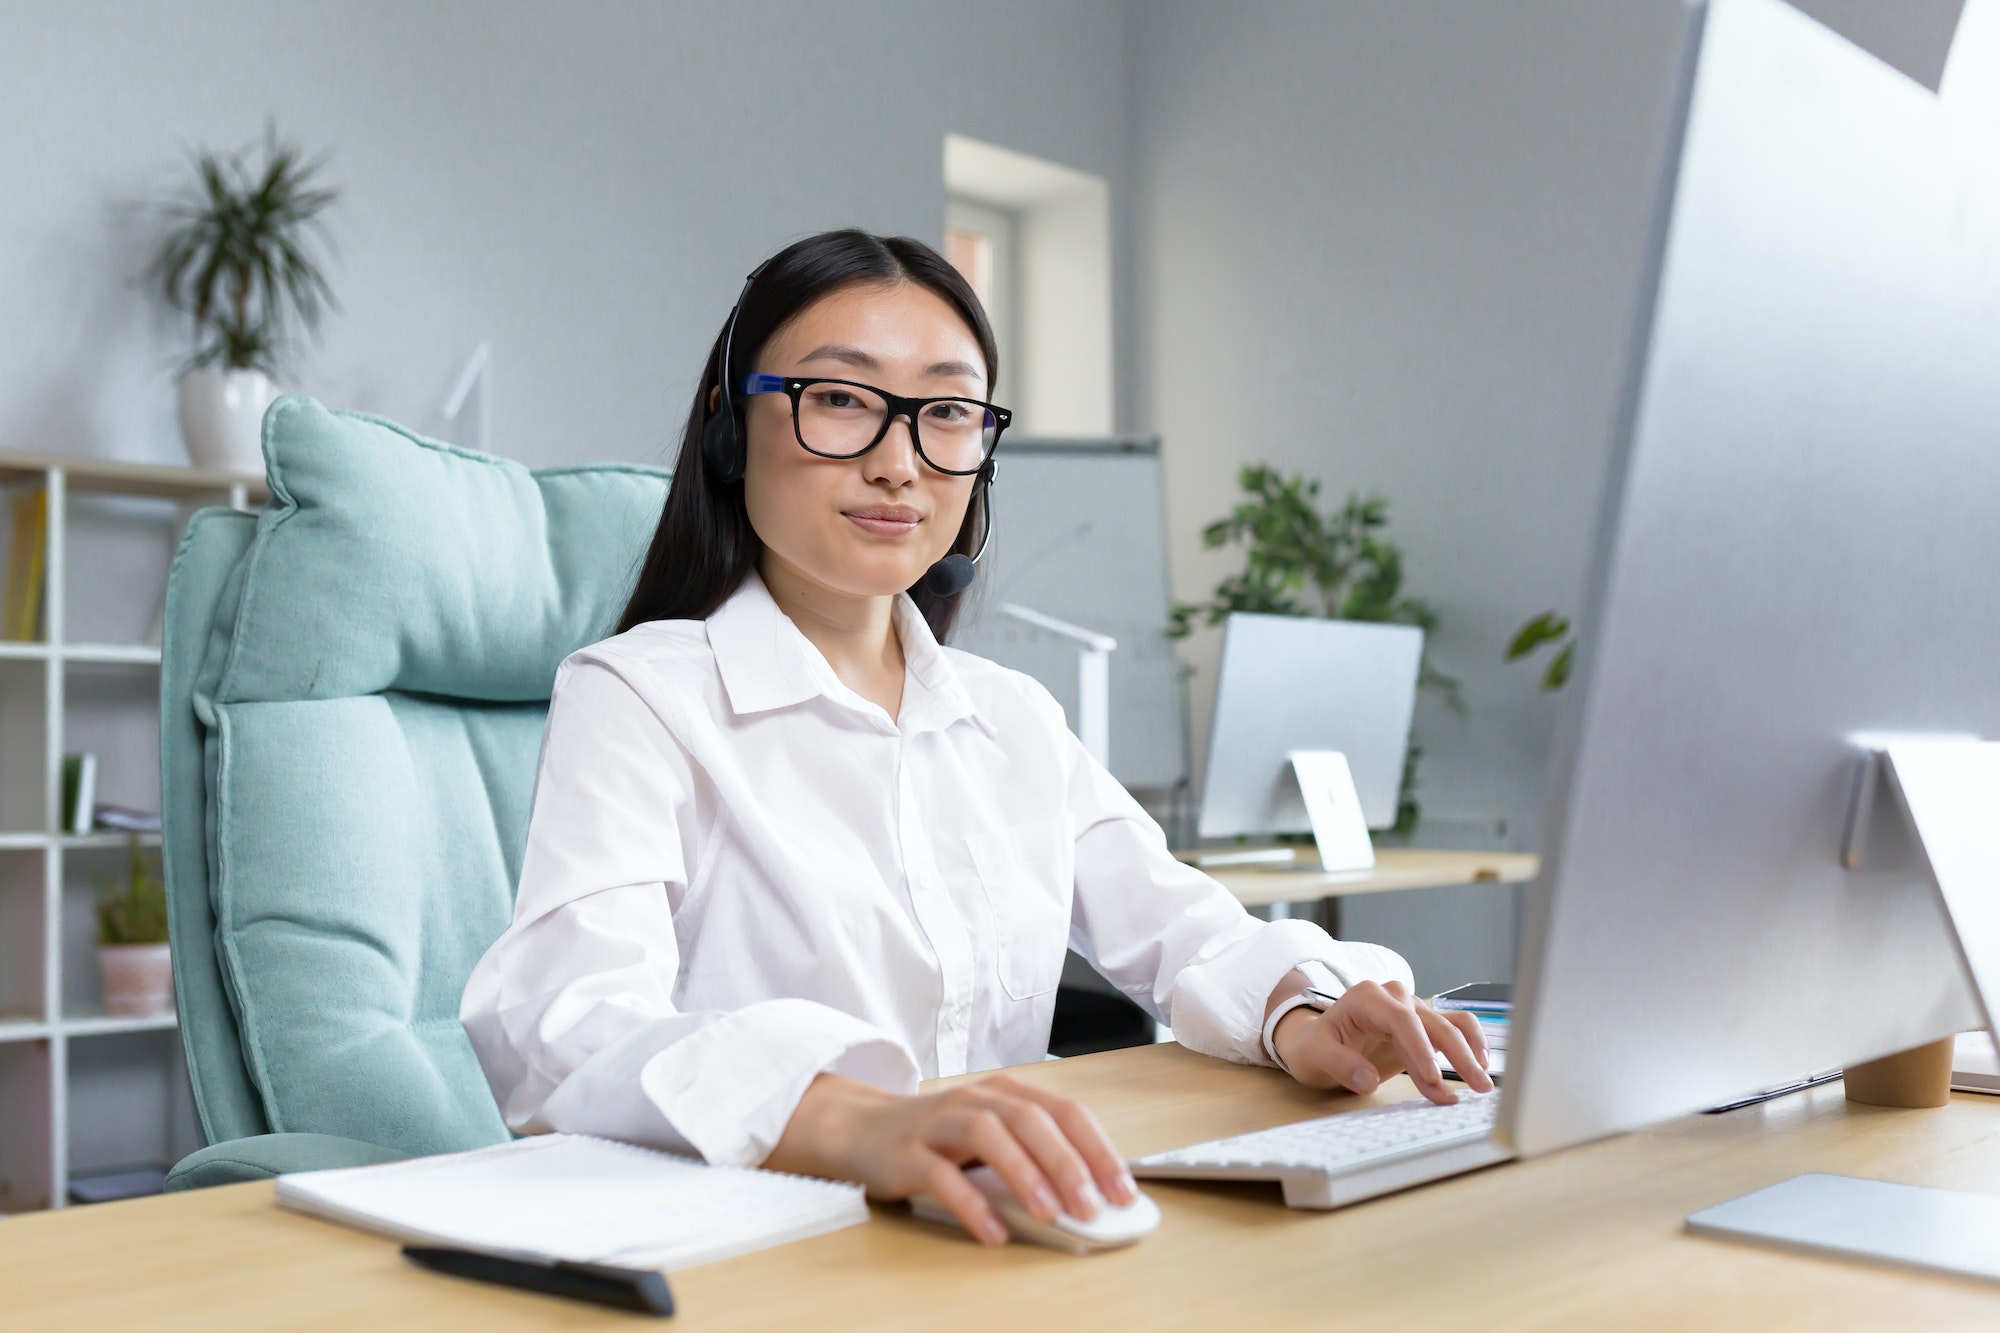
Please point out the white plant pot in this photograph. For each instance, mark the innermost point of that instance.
(222, 418)
(138, 979)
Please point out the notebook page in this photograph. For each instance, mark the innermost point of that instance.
(567, 1196)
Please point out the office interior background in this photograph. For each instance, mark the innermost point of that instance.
(1396, 248)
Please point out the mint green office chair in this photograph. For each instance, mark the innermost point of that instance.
(353, 685)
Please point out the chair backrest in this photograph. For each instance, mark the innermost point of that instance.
(353, 688)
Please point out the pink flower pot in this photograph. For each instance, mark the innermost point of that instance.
(138, 979)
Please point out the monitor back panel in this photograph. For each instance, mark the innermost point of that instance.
(1293, 684)
(1801, 542)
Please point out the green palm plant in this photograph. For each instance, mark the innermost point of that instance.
(1302, 561)
(242, 258)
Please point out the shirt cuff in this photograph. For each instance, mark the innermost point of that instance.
(727, 1090)
(1219, 1004)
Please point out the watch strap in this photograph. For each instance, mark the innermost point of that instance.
(1311, 996)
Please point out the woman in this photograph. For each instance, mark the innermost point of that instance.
(788, 856)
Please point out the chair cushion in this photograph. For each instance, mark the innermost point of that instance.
(388, 561)
(373, 693)
(265, 1156)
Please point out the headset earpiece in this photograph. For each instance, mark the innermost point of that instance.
(721, 444)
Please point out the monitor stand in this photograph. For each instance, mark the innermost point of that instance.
(1933, 798)
(1333, 806)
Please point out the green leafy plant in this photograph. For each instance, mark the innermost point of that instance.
(1546, 629)
(135, 913)
(1302, 561)
(242, 257)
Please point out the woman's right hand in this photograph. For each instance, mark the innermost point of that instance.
(1048, 1149)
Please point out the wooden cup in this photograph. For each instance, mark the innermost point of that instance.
(1917, 1077)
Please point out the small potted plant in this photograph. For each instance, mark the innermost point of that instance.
(132, 958)
(241, 260)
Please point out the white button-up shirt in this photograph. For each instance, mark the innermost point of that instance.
(740, 874)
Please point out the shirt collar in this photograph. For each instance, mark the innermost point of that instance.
(767, 663)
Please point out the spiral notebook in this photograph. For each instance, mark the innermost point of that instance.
(570, 1196)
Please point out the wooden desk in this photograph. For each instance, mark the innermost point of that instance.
(1588, 1239)
(1396, 868)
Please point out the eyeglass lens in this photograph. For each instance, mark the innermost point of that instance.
(842, 420)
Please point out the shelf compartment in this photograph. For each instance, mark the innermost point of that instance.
(115, 714)
(27, 1147)
(23, 978)
(24, 722)
(88, 875)
(129, 1103)
(109, 617)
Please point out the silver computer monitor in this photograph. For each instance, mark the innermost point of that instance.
(1290, 684)
(1801, 543)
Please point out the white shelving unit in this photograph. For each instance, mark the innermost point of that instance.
(80, 1090)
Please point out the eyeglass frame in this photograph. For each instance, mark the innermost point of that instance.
(898, 406)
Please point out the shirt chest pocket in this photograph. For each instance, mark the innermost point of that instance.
(1027, 872)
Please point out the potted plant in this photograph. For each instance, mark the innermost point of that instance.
(132, 957)
(1299, 561)
(241, 261)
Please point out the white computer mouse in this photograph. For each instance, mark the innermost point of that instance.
(1113, 1225)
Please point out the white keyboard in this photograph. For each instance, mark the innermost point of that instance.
(1341, 1159)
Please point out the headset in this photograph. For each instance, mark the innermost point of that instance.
(724, 449)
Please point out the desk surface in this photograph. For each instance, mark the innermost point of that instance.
(1587, 1239)
(1396, 868)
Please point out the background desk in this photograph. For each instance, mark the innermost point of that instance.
(1588, 1239)
(1395, 868)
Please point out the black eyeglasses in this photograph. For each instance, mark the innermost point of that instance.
(845, 419)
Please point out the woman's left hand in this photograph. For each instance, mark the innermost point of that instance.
(1376, 1030)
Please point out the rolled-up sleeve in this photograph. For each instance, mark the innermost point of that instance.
(572, 1012)
(1175, 940)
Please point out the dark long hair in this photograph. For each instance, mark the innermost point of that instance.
(705, 547)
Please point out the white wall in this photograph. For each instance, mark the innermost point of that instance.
(1398, 247)
(584, 184)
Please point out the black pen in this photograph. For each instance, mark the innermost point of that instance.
(626, 1288)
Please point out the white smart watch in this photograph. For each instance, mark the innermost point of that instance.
(1319, 977)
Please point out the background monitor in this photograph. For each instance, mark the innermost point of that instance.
(1799, 545)
(1292, 684)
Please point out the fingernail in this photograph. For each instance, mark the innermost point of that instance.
(993, 1231)
(1365, 1081)
(1128, 1188)
(1045, 1201)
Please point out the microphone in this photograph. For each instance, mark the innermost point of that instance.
(949, 576)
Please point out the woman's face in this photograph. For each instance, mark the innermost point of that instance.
(868, 526)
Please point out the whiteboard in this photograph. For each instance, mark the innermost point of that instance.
(1080, 533)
